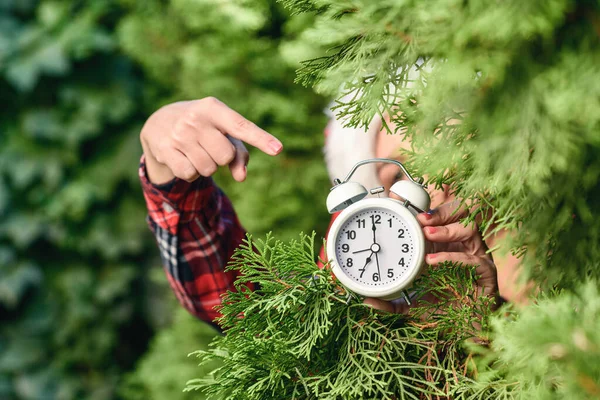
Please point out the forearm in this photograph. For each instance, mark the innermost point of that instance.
(196, 231)
(194, 223)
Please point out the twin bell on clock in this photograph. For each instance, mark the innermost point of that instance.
(376, 246)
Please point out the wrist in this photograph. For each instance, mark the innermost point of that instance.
(157, 172)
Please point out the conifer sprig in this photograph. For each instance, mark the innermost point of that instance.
(549, 350)
(300, 334)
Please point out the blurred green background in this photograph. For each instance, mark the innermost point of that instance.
(85, 311)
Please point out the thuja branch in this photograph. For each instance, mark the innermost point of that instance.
(302, 335)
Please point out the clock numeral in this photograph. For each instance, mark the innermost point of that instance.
(375, 277)
(401, 262)
(390, 221)
(400, 233)
(362, 271)
(345, 247)
(390, 273)
(376, 219)
(351, 235)
(361, 223)
(349, 262)
(405, 248)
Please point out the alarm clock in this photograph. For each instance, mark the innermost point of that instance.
(376, 246)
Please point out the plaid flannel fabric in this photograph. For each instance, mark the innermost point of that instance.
(197, 231)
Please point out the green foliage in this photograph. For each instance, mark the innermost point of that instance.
(73, 244)
(77, 80)
(550, 350)
(500, 102)
(302, 335)
(163, 371)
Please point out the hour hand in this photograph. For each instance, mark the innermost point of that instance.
(362, 270)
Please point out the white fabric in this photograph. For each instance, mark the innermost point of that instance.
(344, 147)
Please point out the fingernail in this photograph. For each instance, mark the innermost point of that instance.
(431, 257)
(431, 212)
(430, 230)
(427, 216)
(275, 146)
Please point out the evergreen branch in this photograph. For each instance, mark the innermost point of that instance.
(303, 6)
(299, 335)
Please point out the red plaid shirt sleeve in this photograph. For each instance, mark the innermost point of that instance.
(197, 230)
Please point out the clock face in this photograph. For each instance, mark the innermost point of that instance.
(376, 248)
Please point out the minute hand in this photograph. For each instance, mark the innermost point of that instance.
(377, 261)
(374, 229)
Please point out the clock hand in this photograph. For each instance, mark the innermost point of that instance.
(365, 267)
(360, 251)
(377, 261)
(374, 228)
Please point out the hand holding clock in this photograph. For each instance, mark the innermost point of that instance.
(453, 242)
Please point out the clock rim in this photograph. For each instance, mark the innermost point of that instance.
(396, 289)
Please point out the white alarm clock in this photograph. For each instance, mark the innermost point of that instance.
(376, 246)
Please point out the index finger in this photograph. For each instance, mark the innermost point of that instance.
(234, 124)
(445, 214)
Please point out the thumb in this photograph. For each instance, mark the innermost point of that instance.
(239, 163)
